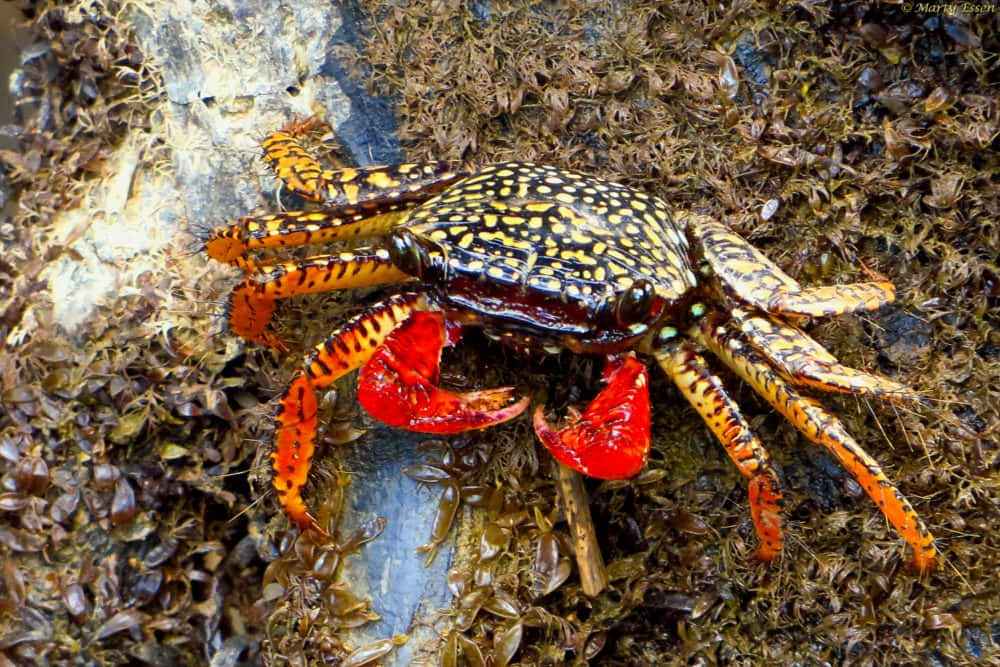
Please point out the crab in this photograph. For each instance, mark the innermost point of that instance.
(548, 260)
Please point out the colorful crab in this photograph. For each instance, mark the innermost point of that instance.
(548, 259)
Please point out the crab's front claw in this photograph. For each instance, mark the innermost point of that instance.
(610, 440)
(398, 384)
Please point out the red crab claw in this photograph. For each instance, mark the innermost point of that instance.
(398, 384)
(610, 440)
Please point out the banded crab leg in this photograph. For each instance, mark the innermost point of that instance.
(758, 281)
(822, 427)
(399, 344)
(360, 203)
(755, 280)
(703, 389)
(346, 348)
(232, 243)
(363, 187)
(803, 361)
(253, 300)
(610, 439)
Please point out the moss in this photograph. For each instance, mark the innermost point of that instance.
(118, 440)
(874, 131)
(849, 142)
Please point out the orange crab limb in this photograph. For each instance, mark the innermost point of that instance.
(705, 392)
(803, 361)
(758, 281)
(252, 302)
(230, 243)
(398, 384)
(610, 440)
(370, 187)
(346, 349)
(822, 427)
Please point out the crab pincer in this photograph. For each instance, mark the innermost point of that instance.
(610, 440)
(398, 384)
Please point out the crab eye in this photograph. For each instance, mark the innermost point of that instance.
(407, 254)
(635, 303)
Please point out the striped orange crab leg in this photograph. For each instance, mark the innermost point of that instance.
(359, 203)
(346, 349)
(703, 389)
(253, 300)
(362, 187)
(822, 427)
(398, 343)
(610, 439)
(233, 243)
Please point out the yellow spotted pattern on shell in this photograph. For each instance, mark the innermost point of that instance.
(553, 232)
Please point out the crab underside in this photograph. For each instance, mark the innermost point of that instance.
(746, 317)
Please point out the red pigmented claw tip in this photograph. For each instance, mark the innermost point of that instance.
(610, 440)
(398, 384)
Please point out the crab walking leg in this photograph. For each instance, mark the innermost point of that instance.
(347, 348)
(398, 384)
(252, 302)
(705, 392)
(399, 343)
(758, 281)
(829, 300)
(230, 243)
(369, 187)
(803, 361)
(610, 440)
(822, 427)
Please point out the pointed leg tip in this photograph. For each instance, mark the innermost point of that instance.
(295, 509)
(309, 526)
(924, 565)
(278, 345)
(766, 554)
(303, 124)
(313, 526)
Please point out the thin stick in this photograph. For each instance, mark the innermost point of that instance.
(593, 577)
